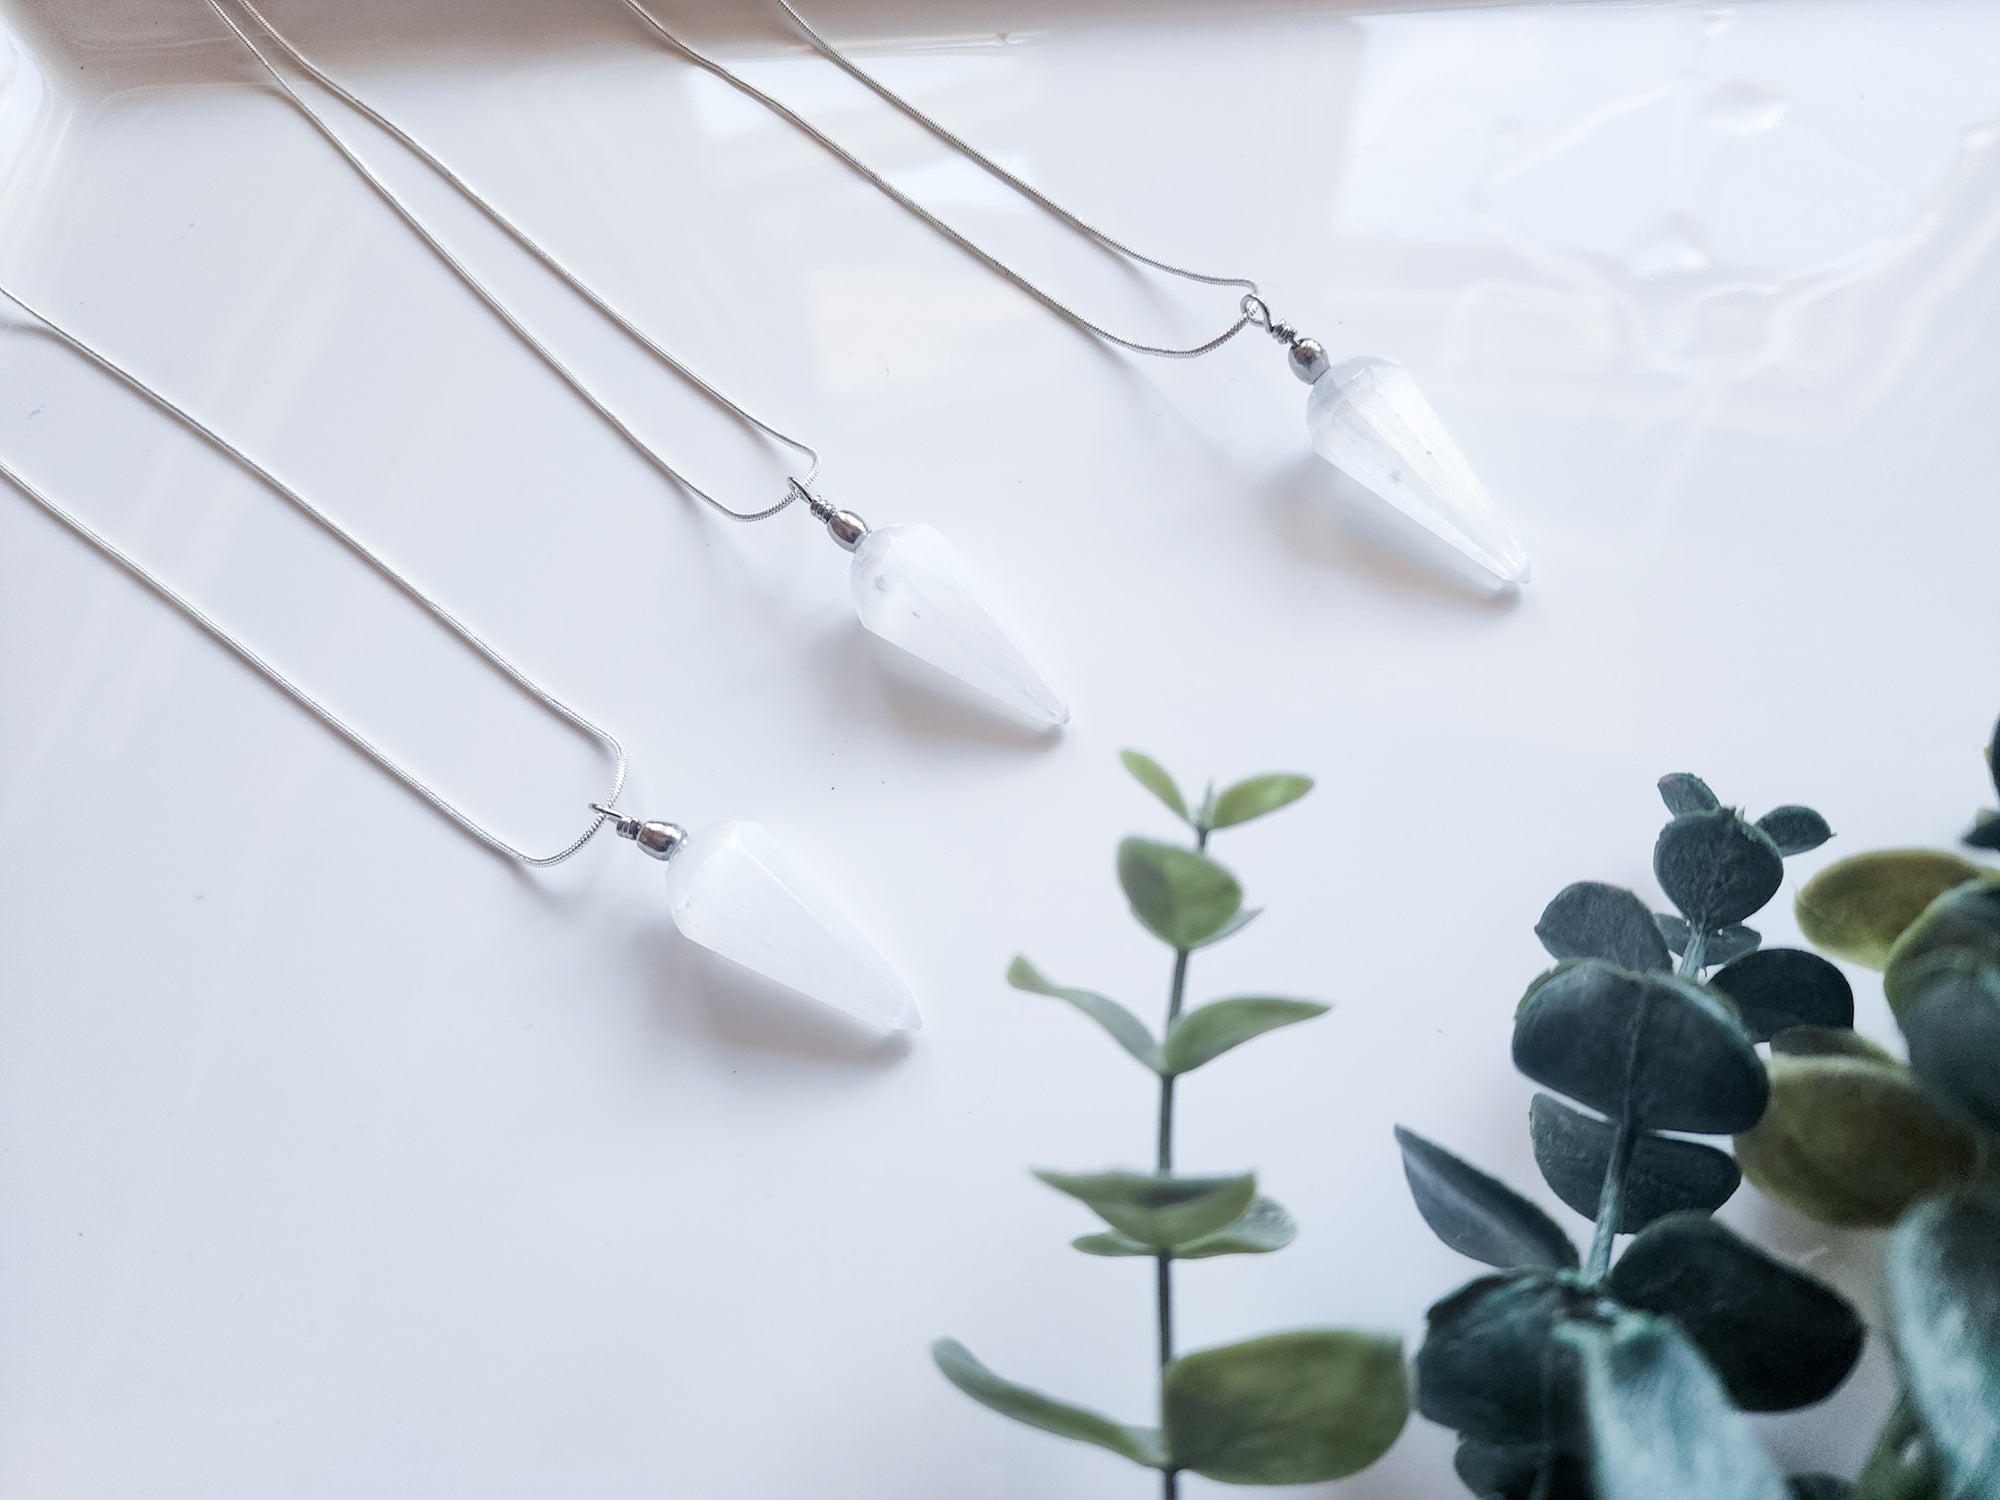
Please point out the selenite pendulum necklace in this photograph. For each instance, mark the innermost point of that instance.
(1365, 415)
(734, 889)
(909, 586)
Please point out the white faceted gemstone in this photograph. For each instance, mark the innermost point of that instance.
(911, 590)
(740, 893)
(1369, 420)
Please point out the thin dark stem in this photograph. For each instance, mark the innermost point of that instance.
(1695, 958)
(1611, 1202)
(1163, 1273)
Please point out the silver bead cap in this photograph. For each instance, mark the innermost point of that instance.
(661, 840)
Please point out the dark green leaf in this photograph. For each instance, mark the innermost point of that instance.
(1256, 797)
(1264, 1227)
(1489, 1368)
(1159, 1212)
(1717, 868)
(1820, 1487)
(1181, 897)
(1961, 927)
(1985, 831)
(1856, 908)
(1776, 988)
(1829, 1041)
(1290, 1408)
(1993, 756)
(1853, 1142)
(1126, 1029)
(1944, 1300)
(1777, 1338)
(1795, 829)
(1496, 1473)
(1951, 1019)
(1140, 1444)
(1658, 1051)
(1666, 1176)
(1660, 1425)
(1233, 926)
(1204, 1034)
(1594, 920)
(1685, 794)
(1674, 931)
(1478, 1215)
(1151, 775)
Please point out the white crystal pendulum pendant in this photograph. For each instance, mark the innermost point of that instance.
(1368, 419)
(740, 893)
(911, 589)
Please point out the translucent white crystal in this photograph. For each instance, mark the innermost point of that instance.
(740, 893)
(911, 590)
(1369, 420)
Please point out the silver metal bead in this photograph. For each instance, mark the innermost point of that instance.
(846, 528)
(661, 840)
(1308, 359)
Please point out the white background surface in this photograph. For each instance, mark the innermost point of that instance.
(338, 1157)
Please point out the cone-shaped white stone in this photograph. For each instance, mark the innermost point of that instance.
(911, 589)
(1369, 420)
(740, 893)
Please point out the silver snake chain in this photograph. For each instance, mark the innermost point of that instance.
(1253, 312)
(277, 677)
(797, 488)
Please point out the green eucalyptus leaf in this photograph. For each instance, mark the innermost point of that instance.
(1263, 1227)
(1660, 1425)
(1961, 927)
(1665, 1176)
(1478, 1215)
(1592, 920)
(1777, 1338)
(1724, 945)
(1820, 1487)
(1951, 1019)
(1795, 829)
(1489, 1367)
(1856, 908)
(1944, 1300)
(1204, 1034)
(1685, 794)
(1778, 988)
(1181, 897)
(1289, 1408)
(1159, 1212)
(1854, 1142)
(1985, 830)
(1256, 797)
(1151, 775)
(1829, 1041)
(1651, 1049)
(1142, 1445)
(1126, 1029)
(1234, 925)
(1717, 868)
(1493, 1472)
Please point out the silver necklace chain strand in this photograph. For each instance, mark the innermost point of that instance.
(222, 635)
(1251, 309)
(533, 247)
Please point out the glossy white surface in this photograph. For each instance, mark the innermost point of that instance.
(338, 1158)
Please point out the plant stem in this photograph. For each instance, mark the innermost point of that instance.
(1695, 957)
(1163, 1266)
(1611, 1202)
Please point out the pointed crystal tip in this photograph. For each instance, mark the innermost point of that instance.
(911, 589)
(740, 893)
(1369, 420)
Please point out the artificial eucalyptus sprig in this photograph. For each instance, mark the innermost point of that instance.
(1289, 1408)
(1573, 1376)
(1855, 1136)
